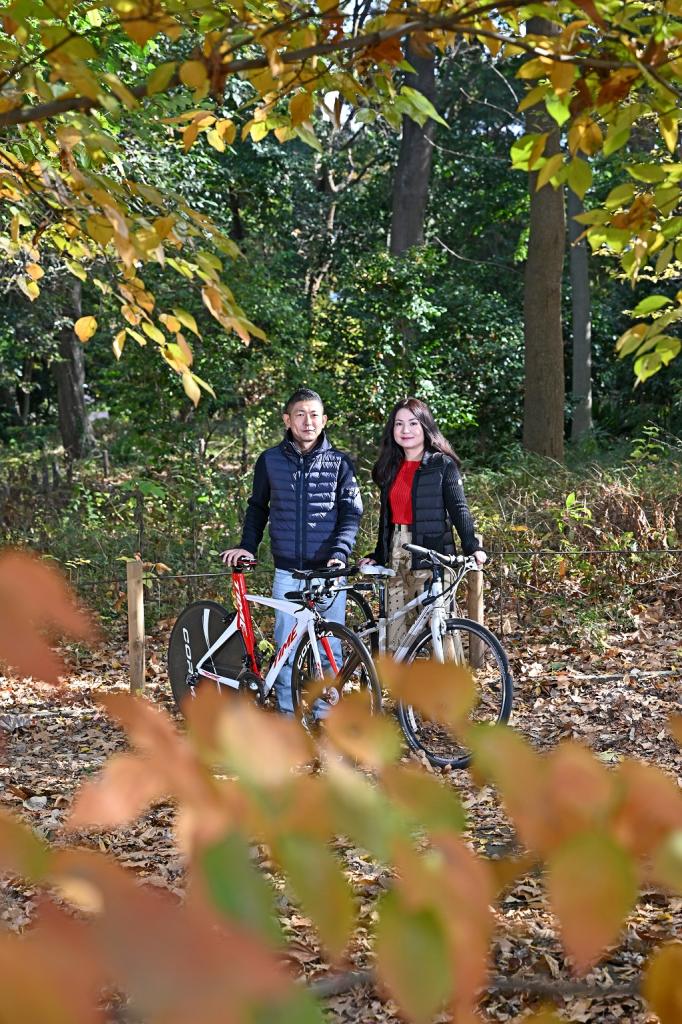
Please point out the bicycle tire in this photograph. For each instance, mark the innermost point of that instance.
(494, 681)
(187, 645)
(356, 673)
(360, 620)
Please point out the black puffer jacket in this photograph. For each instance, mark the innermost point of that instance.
(312, 501)
(438, 504)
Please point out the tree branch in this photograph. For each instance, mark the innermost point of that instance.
(336, 984)
(454, 22)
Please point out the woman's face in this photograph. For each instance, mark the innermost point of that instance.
(408, 433)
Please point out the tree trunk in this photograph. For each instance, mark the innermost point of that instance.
(581, 419)
(69, 372)
(413, 172)
(544, 394)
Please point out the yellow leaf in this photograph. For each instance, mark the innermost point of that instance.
(193, 74)
(662, 983)
(187, 320)
(171, 323)
(34, 271)
(160, 78)
(227, 129)
(187, 354)
(164, 225)
(153, 332)
(216, 140)
(121, 91)
(119, 342)
(140, 31)
(192, 389)
(300, 108)
(142, 341)
(189, 136)
(99, 228)
(533, 96)
(29, 288)
(204, 385)
(85, 327)
(668, 127)
(561, 76)
(549, 169)
(536, 68)
(212, 300)
(76, 270)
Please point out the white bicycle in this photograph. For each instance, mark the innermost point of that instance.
(439, 634)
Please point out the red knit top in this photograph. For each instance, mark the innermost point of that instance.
(400, 494)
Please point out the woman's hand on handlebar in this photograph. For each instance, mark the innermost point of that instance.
(232, 556)
(481, 557)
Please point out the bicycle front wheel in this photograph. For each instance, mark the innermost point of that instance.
(464, 643)
(347, 667)
(195, 630)
(360, 620)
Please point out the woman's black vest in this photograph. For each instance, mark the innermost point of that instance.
(438, 504)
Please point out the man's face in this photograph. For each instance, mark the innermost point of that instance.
(306, 421)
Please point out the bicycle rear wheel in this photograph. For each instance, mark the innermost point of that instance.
(353, 671)
(465, 643)
(195, 630)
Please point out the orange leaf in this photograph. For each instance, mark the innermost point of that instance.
(33, 597)
(370, 739)
(120, 794)
(502, 757)
(446, 693)
(581, 789)
(171, 959)
(592, 888)
(651, 807)
(21, 852)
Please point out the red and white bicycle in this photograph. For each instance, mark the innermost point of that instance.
(211, 646)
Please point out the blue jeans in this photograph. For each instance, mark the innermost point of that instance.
(334, 610)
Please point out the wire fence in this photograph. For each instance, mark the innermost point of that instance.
(516, 581)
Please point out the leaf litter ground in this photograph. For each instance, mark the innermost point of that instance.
(612, 691)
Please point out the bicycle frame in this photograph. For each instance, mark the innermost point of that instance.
(243, 624)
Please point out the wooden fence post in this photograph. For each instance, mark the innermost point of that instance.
(134, 574)
(476, 611)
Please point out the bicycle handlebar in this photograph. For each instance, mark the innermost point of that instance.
(447, 560)
(328, 573)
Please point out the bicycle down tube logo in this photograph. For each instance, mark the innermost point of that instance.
(188, 651)
(286, 645)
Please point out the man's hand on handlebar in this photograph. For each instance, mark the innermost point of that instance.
(367, 561)
(232, 556)
(336, 563)
(481, 557)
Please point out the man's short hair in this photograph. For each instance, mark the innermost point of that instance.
(303, 395)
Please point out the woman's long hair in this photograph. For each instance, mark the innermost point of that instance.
(391, 454)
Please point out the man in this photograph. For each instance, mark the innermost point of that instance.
(307, 490)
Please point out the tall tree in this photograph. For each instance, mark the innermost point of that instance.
(581, 417)
(69, 373)
(413, 171)
(543, 409)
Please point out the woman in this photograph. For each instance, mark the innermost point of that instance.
(421, 499)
